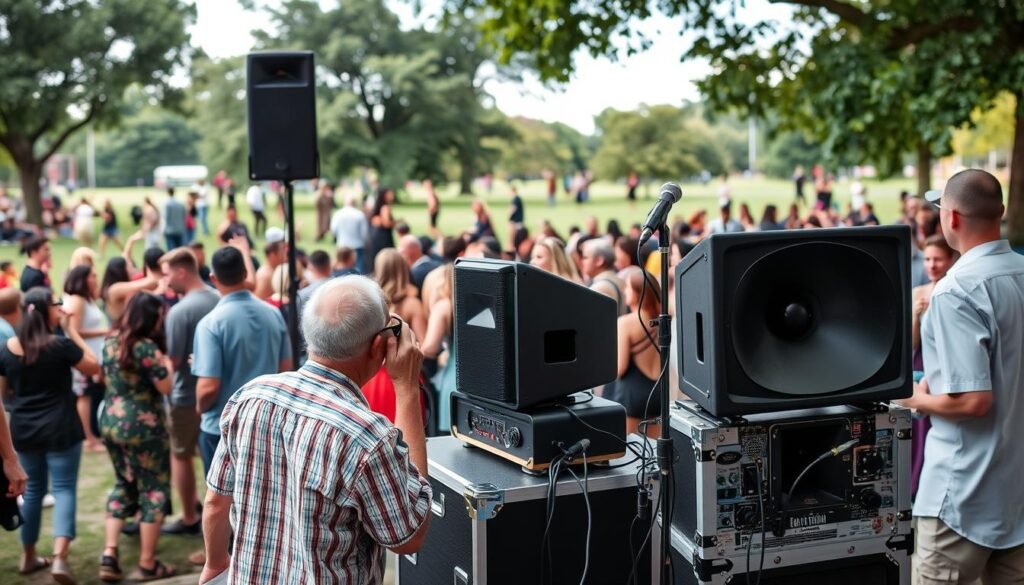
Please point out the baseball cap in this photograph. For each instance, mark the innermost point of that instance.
(933, 196)
(274, 235)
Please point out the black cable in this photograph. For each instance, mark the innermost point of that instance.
(632, 573)
(553, 471)
(592, 427)
(760, 504)
(640, 304)
(750, 543)
(833, 452)
(586, 498)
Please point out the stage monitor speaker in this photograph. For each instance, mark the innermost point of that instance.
(281, 95)
(795, 319)
(524, 336)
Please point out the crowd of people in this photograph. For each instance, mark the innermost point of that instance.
(174, 358)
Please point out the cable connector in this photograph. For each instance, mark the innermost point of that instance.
(643, 503)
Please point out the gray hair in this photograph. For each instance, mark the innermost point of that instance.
(600, 248)
(342, 316)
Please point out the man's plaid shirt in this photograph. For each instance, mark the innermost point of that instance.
(320, 484)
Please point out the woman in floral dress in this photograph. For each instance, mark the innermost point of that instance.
(133, 430)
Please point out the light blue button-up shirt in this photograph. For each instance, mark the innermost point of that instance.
(242, 338)
(972, 338)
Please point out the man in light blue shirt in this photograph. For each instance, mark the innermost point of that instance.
(174, 221)
(242, 338)
(969, 507)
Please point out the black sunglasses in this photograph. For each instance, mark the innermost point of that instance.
(395, 329)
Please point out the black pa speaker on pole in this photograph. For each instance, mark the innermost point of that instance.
(281, 90)
(281, 95)
(784, 320)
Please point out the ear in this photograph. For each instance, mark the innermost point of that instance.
(378, 349)
(955, 220)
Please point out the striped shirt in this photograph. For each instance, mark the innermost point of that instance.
(320, 484)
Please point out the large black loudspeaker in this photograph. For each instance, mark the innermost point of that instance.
(795, 319)
(281, 91)
(524, 336)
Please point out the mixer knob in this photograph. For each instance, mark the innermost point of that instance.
(870, 499)
(513, 438)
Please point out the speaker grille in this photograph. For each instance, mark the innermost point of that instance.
(485, 334)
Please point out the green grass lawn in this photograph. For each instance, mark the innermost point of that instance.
(95, 479)
(607, 202)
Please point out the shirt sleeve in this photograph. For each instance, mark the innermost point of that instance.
(177, 333)
(145, 354)
(72, 353)
(206, 352)
(962, 340)
(221, 477)
(392, 498)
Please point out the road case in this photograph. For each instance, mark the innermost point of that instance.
(488, 520)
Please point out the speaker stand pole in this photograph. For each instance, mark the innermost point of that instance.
(666, 454)
(293, 277)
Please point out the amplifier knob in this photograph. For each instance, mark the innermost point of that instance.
(870, 463)
(870, 499)
(513, 438)
(746, 516)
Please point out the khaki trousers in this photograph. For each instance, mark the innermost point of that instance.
(943, 557)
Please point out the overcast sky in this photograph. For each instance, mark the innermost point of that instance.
(653, 77)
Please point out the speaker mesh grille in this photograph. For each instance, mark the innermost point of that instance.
(485, 334)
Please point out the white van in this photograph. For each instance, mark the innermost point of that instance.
(178, 175)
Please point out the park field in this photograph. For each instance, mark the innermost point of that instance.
(607, 202)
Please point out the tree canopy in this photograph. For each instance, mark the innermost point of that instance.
(67, 64)
(870, 79)
(392, 99)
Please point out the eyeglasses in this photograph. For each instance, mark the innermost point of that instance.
(394, 326)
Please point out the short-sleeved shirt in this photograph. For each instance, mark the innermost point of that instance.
(31, 278)
(43, 415)
(972, 338)
(182, 320)
(242, 338)
(305, 460)
(350, 228)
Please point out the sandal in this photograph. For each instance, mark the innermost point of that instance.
(159, 571)
(38, 564)
(61, 571)
(110, 569)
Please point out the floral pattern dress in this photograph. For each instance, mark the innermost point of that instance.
(133, 429)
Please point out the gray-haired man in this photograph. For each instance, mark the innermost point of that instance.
(320, 485)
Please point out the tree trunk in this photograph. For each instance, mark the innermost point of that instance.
(466, 173)
(30, 192)
(1015, 200)
(924, 169)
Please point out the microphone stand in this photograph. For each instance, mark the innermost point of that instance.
(293, 277)
(666, 454)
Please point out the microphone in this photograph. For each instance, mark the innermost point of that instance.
(670, 194)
